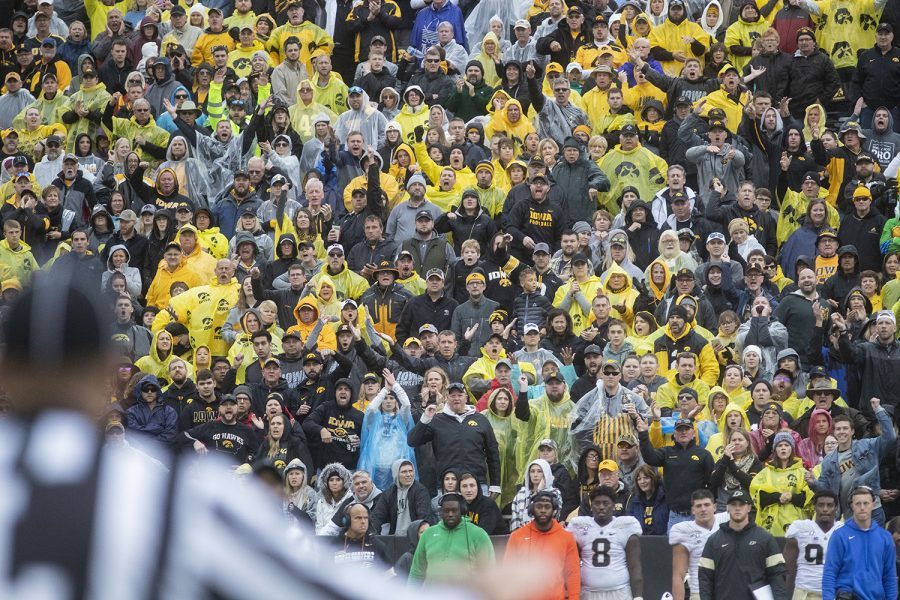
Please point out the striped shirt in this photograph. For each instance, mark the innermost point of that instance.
(84, 520)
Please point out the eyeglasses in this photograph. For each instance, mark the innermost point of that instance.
(432, 60)
(560, 91)
(281, 145)
(305, 90)
(141, 110)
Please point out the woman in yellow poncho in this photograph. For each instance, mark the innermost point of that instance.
(512, 121)
(251, 322)
(326, 297)
(733, 384)
(780, 492)
(643, 328)
(403, 164)
(490, 46)
(733, 417)
(157, 362)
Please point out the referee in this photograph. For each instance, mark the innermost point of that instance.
(80, 520)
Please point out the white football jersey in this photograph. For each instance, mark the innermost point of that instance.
(603, 564)
(693, 537)
(812, 544)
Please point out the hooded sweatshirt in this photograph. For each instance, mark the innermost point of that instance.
(160, 422)
(520, 514)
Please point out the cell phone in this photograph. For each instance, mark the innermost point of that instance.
(432, 399)
(336, 228)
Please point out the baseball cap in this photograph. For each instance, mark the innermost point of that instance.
(177, 10)
(531, 328)
(354, 90)
(611, 363)
(428, 328)
(505, 362)
(12, 75)
(412, 340)
(522, 24)
(812, 176)
(344, 328)
(619, 239)
(726, 68)
(127, 215)
(349, 302)
(574, 9)
(579, 258)
(272, 361)
(717, 124)
(378, 39)
(684, 422)
(538, 177)
(739, 495)
(335, 248)
(227, 398)
(370, 377)
(425, 215)
(456, 386)
(884, 27)
(716, 235)
(683, 101)
(886, 314)
(148, 209)
(548, 443)
(628, 438)
(678, 197)
(434, 273)
(593, 349)
(608, 465)
(70, 157)
(554, 375)
(290, 334)
(629, 130)
(541, 247)
(49, 43)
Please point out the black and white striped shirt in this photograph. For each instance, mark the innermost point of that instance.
(82, 520)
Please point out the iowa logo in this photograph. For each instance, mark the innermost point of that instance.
(841, 50)
(867, 22)
(207, 323)
(792, 480)
(754, 35)
(223, 305)
(227, 444)
(472, 423)
(627, 169)
(203, 296)
(843, 17)
(241, 64)
(695, 457)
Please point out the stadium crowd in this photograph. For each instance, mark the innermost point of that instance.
(540, 268)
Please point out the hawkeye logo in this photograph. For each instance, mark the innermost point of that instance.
(695, 457)
(472, 423)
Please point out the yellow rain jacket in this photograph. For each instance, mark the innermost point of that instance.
(667, 393)
(203, 263)
(203, 310)
(214, 242)
(732, 105)
(332, 95)
(743, 33)
(410, 118)
(516, 130)
(670, 36)
(311, 36)
(844, 28)
(154, 364)
(303, 115)
(775, 517)
(589, 288)
(347, 283)
(326, 339)
(625, 296)
(639, 168)
(20, 263)
(717, 442)
(331, 308)
(483, 368)
(158, 294)
(793, 209)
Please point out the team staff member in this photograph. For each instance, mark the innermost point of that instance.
(545, 537)
(741, 557)
(861, 555)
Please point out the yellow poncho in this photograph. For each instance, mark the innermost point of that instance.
(775, 518)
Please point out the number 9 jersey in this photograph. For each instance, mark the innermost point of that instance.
(602, 548)
(812, 544)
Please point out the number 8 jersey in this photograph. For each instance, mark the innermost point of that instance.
(812, 544)
(602, 548)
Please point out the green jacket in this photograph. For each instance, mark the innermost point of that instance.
(466, 106)
(441, 552)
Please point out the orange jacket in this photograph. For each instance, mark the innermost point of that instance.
(555, 549)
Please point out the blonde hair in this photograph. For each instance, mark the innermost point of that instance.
(470, 244)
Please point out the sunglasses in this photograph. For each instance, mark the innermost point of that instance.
(335, 254)
(281, 145)
(150, 389)
(432, 60)
(141, 110)
(685, 397)
(181, 96)
(610, 372)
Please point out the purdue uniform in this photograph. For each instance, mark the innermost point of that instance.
(812, 545)
(602, 548)
(693, 536)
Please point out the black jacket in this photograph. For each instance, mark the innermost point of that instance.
(541, 221)
(865, 235)
(810, 79)
(342, 422)
(480, 227)
(421, 310)
(879, 367)
(570, 45)
(687, 468)
(385, 510)
(877, 77)
(468, 445)
(742, 561)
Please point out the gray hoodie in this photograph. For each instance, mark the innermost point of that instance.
(882, 145)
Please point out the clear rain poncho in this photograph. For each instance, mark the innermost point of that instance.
(384, 437)
(366, 120)
(479, 20)
(192, 175)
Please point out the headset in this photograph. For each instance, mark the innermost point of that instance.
(463, 505)
(345, 514)
(543, 495)
(463, 509)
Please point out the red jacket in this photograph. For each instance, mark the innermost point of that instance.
(556, 550)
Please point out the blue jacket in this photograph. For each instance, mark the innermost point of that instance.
(862, 561)
(424, 31)
(161, 423)
(227, 211)
(867, 453)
